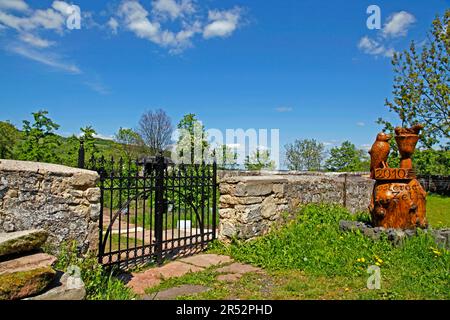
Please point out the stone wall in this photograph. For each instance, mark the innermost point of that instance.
(435, 184)
(62, 200)
(251, 202)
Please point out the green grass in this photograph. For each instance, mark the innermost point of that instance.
(170, 220)
(438, 210)
(311, 258)
(132, 243)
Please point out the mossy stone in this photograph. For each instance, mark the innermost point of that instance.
(22, 284)
(21, 241)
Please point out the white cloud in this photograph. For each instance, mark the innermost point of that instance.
(63, 7)
(136, 19)
(360, 124)
(284, 109)
(35, 41)
(113, 24)
(46, 58)
(18, 5)
(398, 23)
(133, 16)
(46, 19)
(374, 47)
(98, 87)
(11, 21)
(222, 23)
(366, 146)
(172, 8)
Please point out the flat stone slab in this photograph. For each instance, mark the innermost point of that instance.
(25, 276)
(206, 260)
(27, 263)
(64, 287)
(21, 241)
(173, 293)
(142, 281)
(239, 268)
(177, 269)
(230, 277)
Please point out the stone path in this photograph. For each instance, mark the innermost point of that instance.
(229, 271)
(173, 293)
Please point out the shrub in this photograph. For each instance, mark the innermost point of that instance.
(100, 284)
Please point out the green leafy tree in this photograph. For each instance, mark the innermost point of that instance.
(9, 136)
(431, 161)
(130, 141)
(306, 154)
(88, 138)
(192, 145)
(40, 142)
(226, 158)
(347, 158)
(422, 85)
(259, 160)
(69, 151)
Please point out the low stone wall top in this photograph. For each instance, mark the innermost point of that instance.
(64, 201)
(252, 201)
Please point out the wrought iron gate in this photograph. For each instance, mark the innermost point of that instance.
(153, 209)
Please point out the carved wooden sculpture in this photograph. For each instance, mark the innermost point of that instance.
(398, 199)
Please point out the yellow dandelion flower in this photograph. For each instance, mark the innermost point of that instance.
(363, 260)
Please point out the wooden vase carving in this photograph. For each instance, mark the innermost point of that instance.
(398, 199)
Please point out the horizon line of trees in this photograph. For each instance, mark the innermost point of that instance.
(38, 141)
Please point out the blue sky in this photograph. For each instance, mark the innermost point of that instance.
(310, 68)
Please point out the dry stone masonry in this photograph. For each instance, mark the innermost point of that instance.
(63, 201)
(396, 236)
(251, 202)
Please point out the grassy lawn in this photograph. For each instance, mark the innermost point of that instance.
(170, 220)
(132, 243)
(438, 210)
(311, 258)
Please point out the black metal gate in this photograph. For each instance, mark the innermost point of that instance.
(153, 209)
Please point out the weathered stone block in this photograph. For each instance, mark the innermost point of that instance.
(261, 189)
(268, 207)
(65, 287)
(278, 189)
(25, 276)
(227, 199)
(92, 194)
(250, 200)
(22, 284)
(225, 188)
(84, 180)
(227, 213)
(227, 229)
(21, 241)
(250, 231)
(248, 213)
